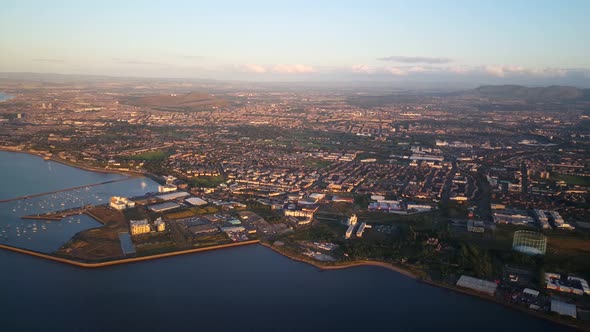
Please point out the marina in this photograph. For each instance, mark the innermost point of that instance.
(24, 221)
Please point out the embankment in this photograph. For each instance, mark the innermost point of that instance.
(124, 260)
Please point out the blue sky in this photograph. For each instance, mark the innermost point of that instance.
(301, 40)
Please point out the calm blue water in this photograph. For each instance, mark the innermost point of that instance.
(240, 289)
(23, 174)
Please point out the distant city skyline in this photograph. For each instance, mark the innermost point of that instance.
(525, 42)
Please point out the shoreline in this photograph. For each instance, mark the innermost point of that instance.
(409, 274)
(347, 265)
(493, 299)
(82, 167)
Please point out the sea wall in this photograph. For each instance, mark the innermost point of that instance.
(124, 260)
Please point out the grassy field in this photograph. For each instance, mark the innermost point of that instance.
(206, 181)
(150, 155)
(100, 243)
(569, 245)
(191, 212)
(568, 254)
(421, 221)
(182, 214)
(211, 240)
(573, 179)
(317, 163)
(154, 249)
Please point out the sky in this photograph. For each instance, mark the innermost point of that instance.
(517, 41)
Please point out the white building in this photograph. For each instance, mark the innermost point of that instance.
(349, 231)
(121, 203)
(306, 212)
(419, 207)
(426, 157)
(512, 217)
(361, 230)
(167, 188)
(573, 285)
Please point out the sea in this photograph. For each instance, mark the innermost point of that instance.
(248, 288)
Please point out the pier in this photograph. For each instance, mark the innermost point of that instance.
(60, 191)
(59, 215)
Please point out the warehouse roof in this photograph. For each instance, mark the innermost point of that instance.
(563, 308)
(479, 285)
(174, 195)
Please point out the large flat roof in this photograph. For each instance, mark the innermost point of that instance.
(479, 285)
(163, 206)
(563, 308)
(196, 201)
(174, 195)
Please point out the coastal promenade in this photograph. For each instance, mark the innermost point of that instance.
(60, 190)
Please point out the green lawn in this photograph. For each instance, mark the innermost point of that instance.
(206, 181)
(317, 163)
(150, 155)
(573, 179)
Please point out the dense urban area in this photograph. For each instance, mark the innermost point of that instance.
(485, 191)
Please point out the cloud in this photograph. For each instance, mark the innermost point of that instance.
(495, 71)
(460, 70)
(419, 69)
(293, 69)
(415, 59)
(252, 68)
(504, 71)
(396, 71)
(47, 60)
(366, 69)
(550, 72)
(276, 69)
(392, 70)
(247, 68)
(193, 57)
(131, 61)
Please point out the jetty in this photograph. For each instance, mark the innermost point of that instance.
(59, 215)
(61, 190)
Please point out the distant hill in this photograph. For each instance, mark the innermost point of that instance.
(539, 94)
(183, 102)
